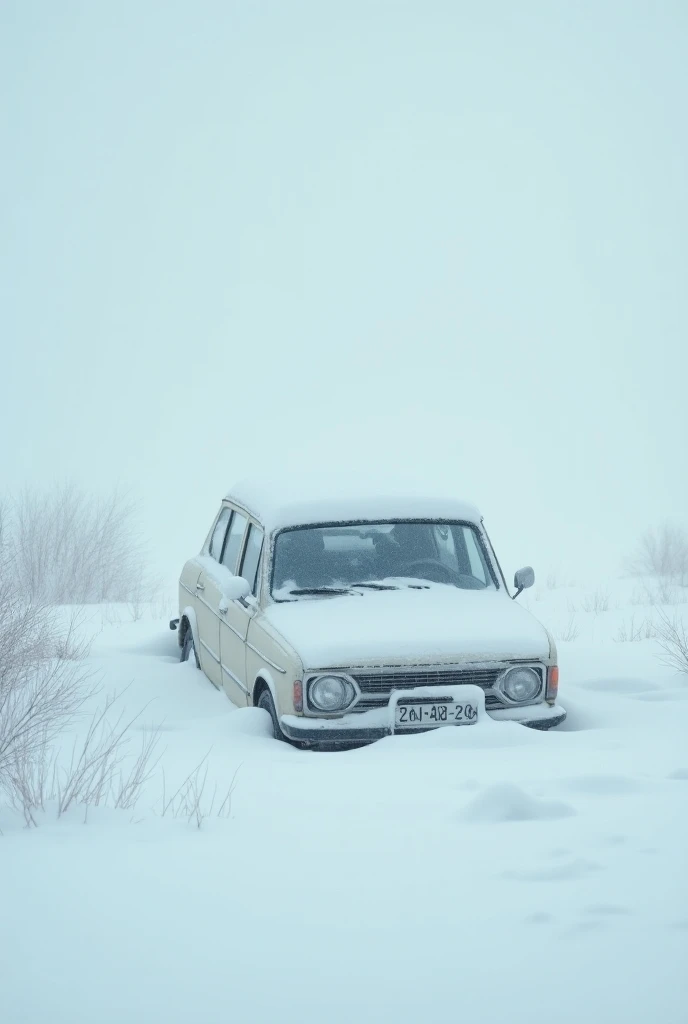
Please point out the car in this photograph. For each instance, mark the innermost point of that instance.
(349, 616)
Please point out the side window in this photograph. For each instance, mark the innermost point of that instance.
(219, 533)
(251, 559)
(235, 536)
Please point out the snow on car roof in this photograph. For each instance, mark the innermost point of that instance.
(296, 502)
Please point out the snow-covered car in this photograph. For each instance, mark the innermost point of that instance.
(350, 618)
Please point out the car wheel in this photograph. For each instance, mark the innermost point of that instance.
(266, 702)
(189, 648)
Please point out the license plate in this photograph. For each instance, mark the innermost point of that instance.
(436, 713)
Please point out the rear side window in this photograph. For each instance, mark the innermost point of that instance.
(218, 536)
(235, 536)
(251, 559)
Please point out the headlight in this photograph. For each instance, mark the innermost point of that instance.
(331, 693)
(520, 684)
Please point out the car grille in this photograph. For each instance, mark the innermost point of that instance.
(376, 687)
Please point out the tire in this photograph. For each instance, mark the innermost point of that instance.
(189, 648)
(266, 702)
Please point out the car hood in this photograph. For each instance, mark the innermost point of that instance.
(440, 624)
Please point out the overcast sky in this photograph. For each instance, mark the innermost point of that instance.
(447, 237)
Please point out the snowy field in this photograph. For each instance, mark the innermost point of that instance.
(489, 873)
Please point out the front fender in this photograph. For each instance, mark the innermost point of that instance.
(266, 676)
(189, 614)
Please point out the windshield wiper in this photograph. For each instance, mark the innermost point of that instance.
(320, 590)
(420, 585)
(376, 586)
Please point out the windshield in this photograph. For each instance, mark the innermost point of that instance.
(332, 559)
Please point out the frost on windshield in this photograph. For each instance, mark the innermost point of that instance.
(333, 559)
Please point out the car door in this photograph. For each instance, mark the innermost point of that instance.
(208, 600)
(235, 620)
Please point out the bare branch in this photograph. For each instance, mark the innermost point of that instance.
(672, 636)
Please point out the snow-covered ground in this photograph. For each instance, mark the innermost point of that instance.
(481, 874)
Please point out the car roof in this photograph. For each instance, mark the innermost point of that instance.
(295, 501)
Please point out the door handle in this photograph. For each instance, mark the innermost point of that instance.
(200, 586)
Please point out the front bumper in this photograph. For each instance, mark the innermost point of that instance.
(374, 725)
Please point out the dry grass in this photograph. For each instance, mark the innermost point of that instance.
(95, 774)
(631, 632)
(553, 580)
(189, 800)
(596, 602)
(570, 632)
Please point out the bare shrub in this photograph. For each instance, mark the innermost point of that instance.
(668, 592)
(69, 547)
(662, 552)
(136, 608)
(145, 596)
(43, 683)
(164, 605)
(129, 786)
(570, 632)
(597, 602)
(112, 614)
(73, 643)
(672, 636)
(94, 775)
(631, 632)
(36, 701)
(648, 629)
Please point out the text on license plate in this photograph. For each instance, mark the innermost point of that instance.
(436, 713)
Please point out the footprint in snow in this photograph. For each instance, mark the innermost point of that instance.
(540, 917)
(606, 910)
(569, 871)
(602, 785)
(506, 802)
(594, 918)
(615, 840)
(583, 927)
(624, 687)
(662, 696)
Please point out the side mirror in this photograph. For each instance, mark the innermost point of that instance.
(234, 589)
(523, 579)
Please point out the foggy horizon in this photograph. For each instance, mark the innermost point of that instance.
(443, 239)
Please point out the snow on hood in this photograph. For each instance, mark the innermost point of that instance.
(442, 624)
